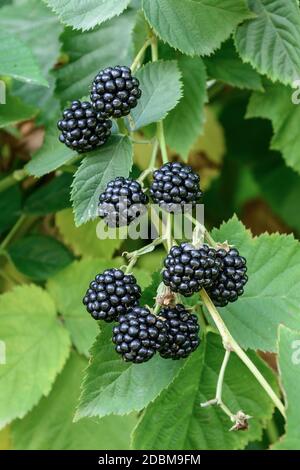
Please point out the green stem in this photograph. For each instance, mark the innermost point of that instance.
(122, 126)
(154, 154)
(138, 58)
(144, 174)
(14, 178)
(202, 229)
(230, 343)
(168, 234)
(162, 142)
(156, 309)
(131, 264)
(221, 376)
(160, 127)
(12, 232)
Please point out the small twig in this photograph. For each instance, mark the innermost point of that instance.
(154, 154)
(168, 233)
(218, 398)
(138, 58)
(12, 232)
(131, 264)
(145, 173)
(230, 342)
(14, 178)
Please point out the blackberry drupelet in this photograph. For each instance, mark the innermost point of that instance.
(182, 332)
(175, 185)
(230, 283)
(138, 335)
(115, 92)
(122, 202)
(188, 269)
(110, 294)
(82, 128)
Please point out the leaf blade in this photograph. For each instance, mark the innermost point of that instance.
(197, 27)
(112, 160)
(161, 90)
(37, 346)
(277, 26)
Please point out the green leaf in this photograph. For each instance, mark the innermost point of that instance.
(161, 90)
(283, 202)
(39, 429)
(42, 98)
(112, 386)
(14, 110)
(83, 240)
(195, 27)
(91, 51)
(50, 156)
(276, 104)
(38, 27)
(149, 293)
(75, 280)
(272, 293)
(51, 197)
(17, 60)
(39, 257)
(289, 360)
(175, 420)
(277, 27)
(101, 166)
(140, 32)
(86, 15)
(226, 65)
(10, 207)
(185, 122)
(37, 346)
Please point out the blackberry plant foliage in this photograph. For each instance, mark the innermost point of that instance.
(108, 311)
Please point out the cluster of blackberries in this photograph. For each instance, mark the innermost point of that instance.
(138, 333)
(222, 273)
(110, 294)
(82, 129)
(231, 280)
(122, 202)
(187, 269)
(115, 92)
(86, 125)
(174, 186)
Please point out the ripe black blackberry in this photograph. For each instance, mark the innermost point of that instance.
(122, 202)
(138, 335)
(175, 185)
(110, 294)
(82, 128)
(229, 284)
(115, 92)
(188, 269)
(182, 332)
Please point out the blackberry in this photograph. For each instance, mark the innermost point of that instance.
(175, 185)
(110, 294)
(229, 284)
(82, 128)
(182, 332)
(188, 269)
(122, 201)
(138, 335)
(115, 92)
